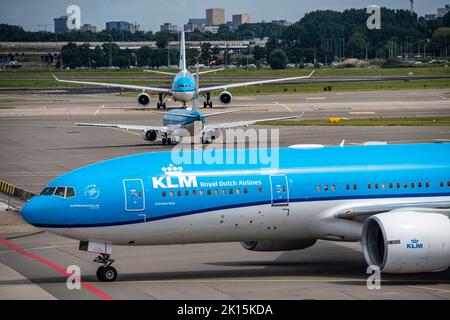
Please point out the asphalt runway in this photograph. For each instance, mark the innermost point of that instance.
(39, 142)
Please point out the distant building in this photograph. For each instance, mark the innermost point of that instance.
(215, 16)
(168, 27)
(239, 19)
(88, 27)
(440, 13)
(61, 24)
(212, 29)
(135, 27)
(118, 25)
(443, 11)
(195, 24)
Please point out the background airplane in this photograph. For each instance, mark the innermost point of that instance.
(183, 122)
(393, 198)
(183, 86)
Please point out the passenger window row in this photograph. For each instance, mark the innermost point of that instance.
(208, 192)
(382, 186)
(63, 192)
(442, 184)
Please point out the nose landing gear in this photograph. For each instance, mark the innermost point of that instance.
(105, 273)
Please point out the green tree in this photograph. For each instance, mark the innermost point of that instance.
(259, 53)
(162, 39)
(277, 59)
(441, 39)
(356, 46)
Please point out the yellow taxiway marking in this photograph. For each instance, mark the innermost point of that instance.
(361, 112)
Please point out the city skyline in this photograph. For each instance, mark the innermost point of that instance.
(34, 16)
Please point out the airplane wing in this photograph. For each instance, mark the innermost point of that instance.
(114, 85)
(124, 126)
(161, 72)
(209, 71)
(251, 83)
(246, 123)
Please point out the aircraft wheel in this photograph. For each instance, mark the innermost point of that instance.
(205, 104)
(169, 141)
(164, 141)
(164, 105)
(210, 104)
(158, 105)
(107, 274)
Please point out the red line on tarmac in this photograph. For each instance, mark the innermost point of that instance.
(56, 267)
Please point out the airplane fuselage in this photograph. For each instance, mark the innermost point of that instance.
(147, 199)
(183, 86)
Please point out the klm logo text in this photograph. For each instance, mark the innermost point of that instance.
(414, 244)
(180, 181)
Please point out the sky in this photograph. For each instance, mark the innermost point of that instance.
(32, 15)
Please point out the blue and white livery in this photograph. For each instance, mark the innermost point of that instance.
(183, 86)
(393, 198)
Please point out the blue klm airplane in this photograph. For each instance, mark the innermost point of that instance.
(393, 198)
(183, 85)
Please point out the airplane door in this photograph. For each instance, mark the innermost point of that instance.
(280, 190)
(134, 195)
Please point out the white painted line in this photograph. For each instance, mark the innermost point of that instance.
(428, 288)
(361, 112)
(315, 98)
(287, 108)
(98, 110)
(126, 131)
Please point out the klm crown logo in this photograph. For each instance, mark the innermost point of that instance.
(414, 244)
(174, 178)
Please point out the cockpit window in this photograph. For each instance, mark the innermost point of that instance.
(48, 191)
(60, 192)
(63, 192)
(70, 192)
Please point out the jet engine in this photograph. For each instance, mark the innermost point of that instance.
(149, 135)
(278, 245)
(407, 241)
(211, 135)
(143, 99)
(225, 97)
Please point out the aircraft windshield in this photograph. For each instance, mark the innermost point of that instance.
(48, 191)
(63, 192)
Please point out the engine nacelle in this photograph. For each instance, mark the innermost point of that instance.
(149, 135)
(407, 241)
(225, 97)
(211, 135)
(143, 99)
(278, 245)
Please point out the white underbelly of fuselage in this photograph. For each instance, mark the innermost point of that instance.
(298, 220)
(183, 96)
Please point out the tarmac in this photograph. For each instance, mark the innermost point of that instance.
(40, 142)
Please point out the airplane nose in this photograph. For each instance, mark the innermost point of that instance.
(31, 211)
